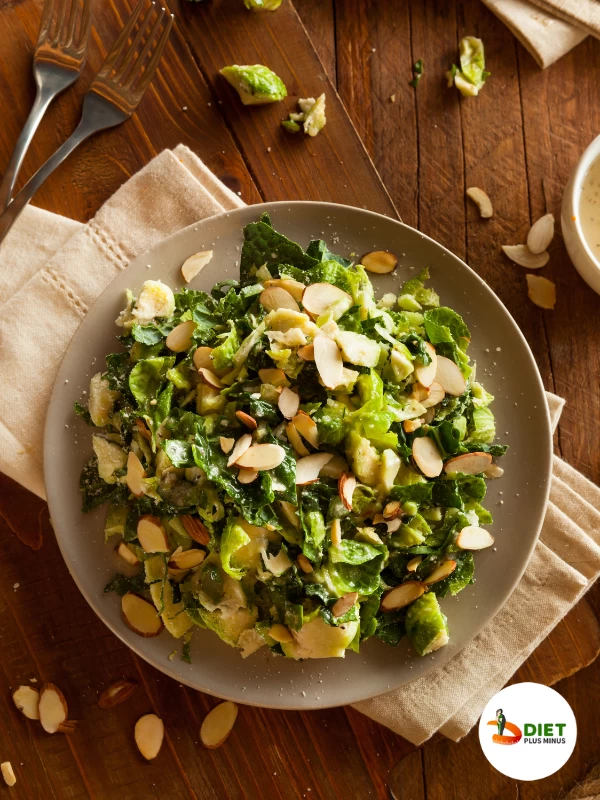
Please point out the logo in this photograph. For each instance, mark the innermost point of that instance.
(527, 731)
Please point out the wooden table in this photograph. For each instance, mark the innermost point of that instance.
(519, 139)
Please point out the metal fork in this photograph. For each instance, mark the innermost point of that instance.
(58, 62)
(113, 96)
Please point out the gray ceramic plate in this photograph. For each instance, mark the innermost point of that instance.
(517, 501)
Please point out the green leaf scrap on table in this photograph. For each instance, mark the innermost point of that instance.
(417, 73)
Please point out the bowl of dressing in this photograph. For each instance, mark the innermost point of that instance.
(580, 216)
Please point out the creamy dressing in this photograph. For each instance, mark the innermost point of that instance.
(589, 208)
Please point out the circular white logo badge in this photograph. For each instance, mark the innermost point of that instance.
(527, 731)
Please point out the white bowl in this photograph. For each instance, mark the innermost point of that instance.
(577, 247)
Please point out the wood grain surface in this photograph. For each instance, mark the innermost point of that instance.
(519, 140)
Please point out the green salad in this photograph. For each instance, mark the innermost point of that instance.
(288, 461)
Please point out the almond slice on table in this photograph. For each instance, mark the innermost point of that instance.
(426, 373)
(328, 359)
(440, 572)
(449, 377)
(290, 513)
(151, 534)
(541, 234)
(196, 529)
(392, 510)
(247, 420)
(295, 288)
(309, 467)
(414, 563)
(288, 403)
(149, 733)
(27, 700)
(344, 604)
(469, 463)
(435, 396)
(188, 559)
(240, 447)
(218, 724)
(319, 296)
(379, 261)
(140, 615)
(304, 564)
(334, 468)
(261, 457)
(474, 538)
(127, 554)
(402, 595)
(307, 352)
(8, 773)
(295, 440)
(346, 487)
(135, 474)
(541, 291)
(274, 376)
(336, 533)
(280, 633)
(116, 694)
(209, 377)
(307, 427)
(274, 297)
(427, 456)
(53, 709)
(493, 471)
(247, 475)
(482, 201)
(192, 265)
(226, 444)
(522, 255)
(180, 338)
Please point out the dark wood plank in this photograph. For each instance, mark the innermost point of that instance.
(319, 21)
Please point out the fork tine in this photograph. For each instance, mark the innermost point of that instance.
(121, 42)
(85, 24)
(70, 27)
(135, 65)
(129, 56)
(46, 21)
(59, 26)
(153, 63)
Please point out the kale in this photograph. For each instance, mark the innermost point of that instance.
(118, 367)
(319, 250)
(121, 584)
(95, 492)
(390, 627)
(263, 245)
(82, 412)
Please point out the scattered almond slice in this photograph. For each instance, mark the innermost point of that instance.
(192, 265)
(309, 467)
(242, 444)
(346, 487)
(151, 534)
(541, 291)
(402, 595)
(493, 471)
(202, 359)
(142, 429)
(116, 694)
(392, 510)
(393, 524)
(274, 297)
(328, 359)
(411, 425)
(427, 457)
(334, 468)
(27, 700)
(280, 633)
(135, 475)
(295, 440)
(307, 352)
(318, 297)
(261, 457)
(288, 402)
(295, 288)
(52, 708)
(247, 420)
(274, 376)
(522, 255)
(439, 573)
(428, 416)
(149, 733)
(180, 338)
(291, 515)
(483, 202)
(127, 554)
(188, 559)
(336, 533)
(469, 463)
(304, 564)
(344, 604)
(435, 396)
(414, 563)
(379, 261)
(218, 724)
(541, 234)
(209, 377)
(474, 538)
(8, 773)
(196, 529)
(226, 444)
(419, 392)
(378, 519)
(247, 475)
(426, 373)
(307, 427)
(140, 615)
(449, 377)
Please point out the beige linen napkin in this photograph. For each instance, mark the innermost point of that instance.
(52, 270)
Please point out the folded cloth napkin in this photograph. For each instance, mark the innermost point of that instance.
(52, 270)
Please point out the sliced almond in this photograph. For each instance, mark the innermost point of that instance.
(295, 288)
(295, 440)
(414, 563)
(469, 463)
(180, 338)
(247, 475)
(274, 298)
(419, 392)
(378, 519)
(402, 595)
(140, 615)
(522, 255)
(411, 425)
(393, 524)
(307, 352)
(27, 700)
(427, 457)
(274, 376)
(541, 291)
(188, 559)
(127, 554)
(261, 457)
(135, 474)
(209, 377)
(346, 487)
(483, 202)
(202, 359)
(52, 708)
(280, 633)
(440, 572)
(328, 359)
(493, 471)
(449, 377)
(242, 444)
(196, 529)
(288, 403)
(435, 396)
(392, 510)
(426, 372)
(334, 468)
(336, 533)
(309, 467)
(149, 733)
(318, 297)
(192, 265)
(304, 564)
(379, 261)
(541, 234)
(307, 427)
(291, 515)
(142, 429)
(8, 773)
(68, 726)
(344, 604)
(218, 724)
(151, 534)
(428, 416)
(474, 538)
(116, 694)
(226, 444)
(247, 420)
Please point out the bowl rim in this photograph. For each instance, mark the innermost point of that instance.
(588, 157)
